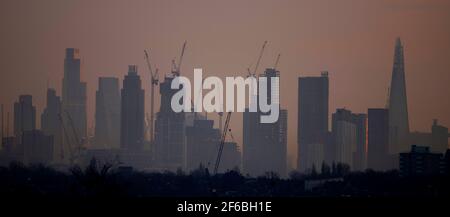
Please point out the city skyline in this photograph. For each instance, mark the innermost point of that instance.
(369, 69)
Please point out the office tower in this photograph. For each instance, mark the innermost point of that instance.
(344, 131)
(38, 147)
(231, 157)
(24, 115)
(360, 158)
(107, 114)
(398, 107)
(73, 100)
(51, 123)
(312, 118)
(202, 141)
(132, 112)
(439, 137)
(378, 139)
(265, 144)
(169, 131)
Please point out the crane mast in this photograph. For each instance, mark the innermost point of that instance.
(177, 67)
(276, 62)
(258, 61)
(154, 82)
(222, 142)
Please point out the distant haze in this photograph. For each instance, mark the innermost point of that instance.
(353, 40)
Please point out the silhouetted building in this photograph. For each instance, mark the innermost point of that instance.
(263, 141)
(51, 123)
(11, 151)
(312, 118)
(24, 115)
(360, 158)
(132, 112)
(378, 139)
(202, 141)
(420, 161)
(231, 157)
(446, 162)
(38, 147)
(344, 131)
(169, 131)
(398, 106)
(73, 101)
(437, 139)
(107, 113)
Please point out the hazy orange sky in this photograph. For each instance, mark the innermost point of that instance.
(353, 40)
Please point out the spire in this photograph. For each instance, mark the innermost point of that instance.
(398, 110)
(398, 42)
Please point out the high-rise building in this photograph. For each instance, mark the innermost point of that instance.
(344, 131)
(349, 139)
(24, 115)
(312, 118)
(398, 107)
(170, 131)
(202, 141)
(38, 147)
(73, 100)
(360, 158)
(107, 114)
(265, 144)
(378, 139)
(132, 112)
(231, 157)
(51, 123)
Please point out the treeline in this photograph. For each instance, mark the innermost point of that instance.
(106, 180)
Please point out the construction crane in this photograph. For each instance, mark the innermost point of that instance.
(222, 142)
(154, 82)
(258, 61)
(276, 62)
(177, 67)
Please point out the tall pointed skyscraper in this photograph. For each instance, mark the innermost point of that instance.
(398, 107)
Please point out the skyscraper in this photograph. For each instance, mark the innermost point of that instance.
(344, 131)
(24, 115)
(312, 118)
(398, 107)
(231, 157)
(51, 124)
(378, 139)
(132, 112)
(360, 158)
(201, 144)
(37, 147)
(107, 113)
(265, 144)
(170, 131)
(74, 99)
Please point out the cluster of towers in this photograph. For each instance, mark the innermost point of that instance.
(373, 140)
(187, 140)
